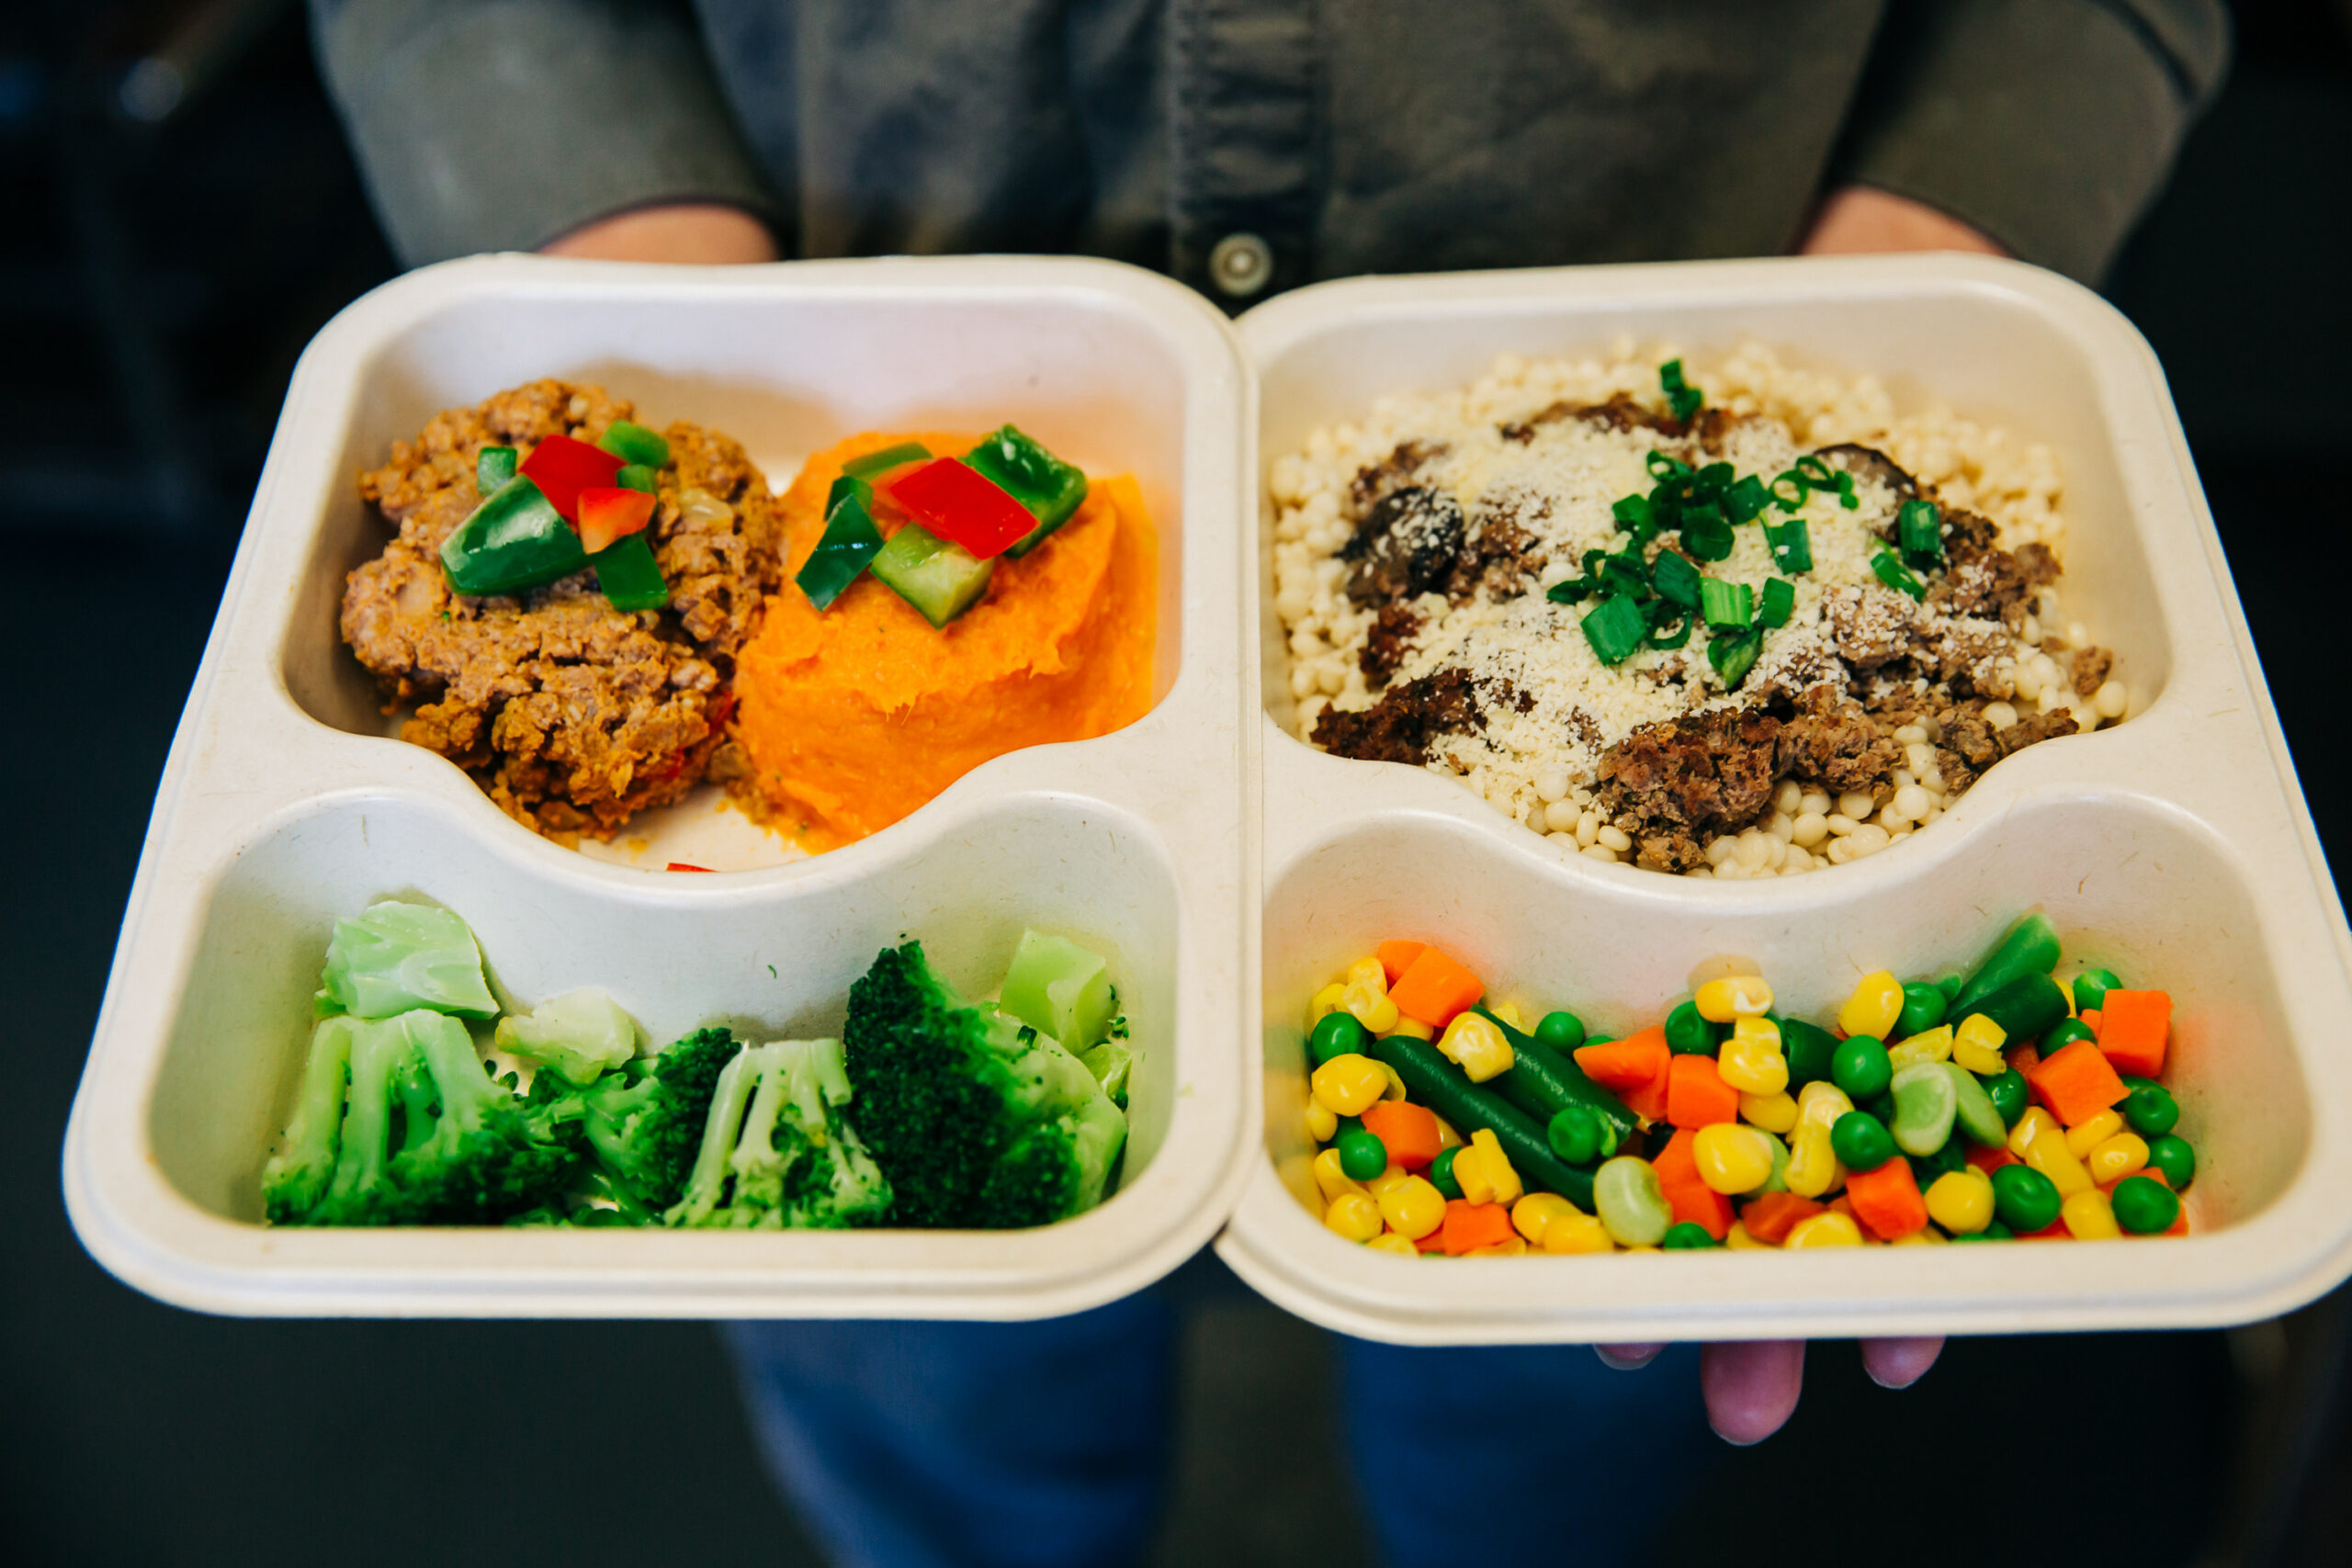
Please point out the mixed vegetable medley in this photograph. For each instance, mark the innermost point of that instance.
(929, 1110)
(2001, 1104)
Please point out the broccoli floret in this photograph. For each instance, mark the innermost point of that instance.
(644, 1122)
(397, 956)
(580, 1035)
(425, 1136)
(777, 1152)
(975, 1125)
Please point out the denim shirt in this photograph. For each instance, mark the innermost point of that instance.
(1308, 138)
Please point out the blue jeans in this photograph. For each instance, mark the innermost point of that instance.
(1045, 1445)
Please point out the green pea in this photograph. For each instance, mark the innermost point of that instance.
(2149, 1108)
(2009, 1094)
(1925, 1168)
(1440, 1173)
(1347, 1124)
(1688, 1237)
(1925, 1102)
(1923, 1008)
(1336, 1034)
(2062, 1033)
(1631, 1203)
(2172, 1155)
(2091, 988)
(1688, 1034)
(1861, 1067)
(1996, 1231)
(1862, 1140)
(1560, 1030)
(1950, 986)
(1575, 1134)
(2145, 1206)
(2024, 1199)
(1362, 1155)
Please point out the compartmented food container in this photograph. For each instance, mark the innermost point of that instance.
(286, 804)
(2173, 846)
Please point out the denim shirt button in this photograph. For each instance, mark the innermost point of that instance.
(1240, 265)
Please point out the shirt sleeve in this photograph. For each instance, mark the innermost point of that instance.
(490, 127)
(2049, 124)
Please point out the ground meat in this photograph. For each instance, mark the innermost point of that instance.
(1676, 781)
(1992, 586)
(1831, 741)
(1869, 627)
(1401, 725)
(1376, 481)
(1620, 413)
(1869, 463)
(1499, 556)
(2041, 567)
(1389, 643)
(2089, 670)
(572, 715)
(1407, 546)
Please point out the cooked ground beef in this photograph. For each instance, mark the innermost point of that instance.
(1374, 481)
(2088, 670)
(570, 714)
(1390, 640)
(1400, 725)
(1409, 545)
(1673, 785)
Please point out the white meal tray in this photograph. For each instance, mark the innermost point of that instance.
(285, 802)
(2174, 846)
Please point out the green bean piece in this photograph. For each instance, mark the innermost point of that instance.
(2149, 1108)
(1688, 1237)
(1923, 1008)
(1861, 1141)
(1861, 1067)
(2091, 988)
(1336, 1034)
(2030, 948)
(1688, 1034)
(1561, 1031)
(1631, 1203)
(1811, 1050)
(2025, 1008)
(2145, 1206)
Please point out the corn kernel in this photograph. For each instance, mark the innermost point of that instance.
(2083, 1138)
(1348, 1083)
(1645, 1248)
(1379, 1185)
(1927, 1045)
(1978, 1030)
(1925, 1236)
(2089, 1216)
(2046, 1151)
(1738, 1240)
(1983, 1060)
(1876, 1003)
(1577, 1231)
(1330, 1179)
(1412, 1029)
(1813, 1164)
(1510, 1246)
(1831, 1229)
(1757, 1028)
(1389, 1241)
(1531, 1213)
(1732, 1158)
(1820, 1103)
(1378, 1017)
(1447, 1138)
(1367, 996)
(1483, 1172)
(1369, 973)
(1413, 1208)
(2032, 1125)
(1753, 1065)
(1395, 1089)
(1733, 996)
(2125, 1154)
(1509, 1012)
(1322, 1122)
(1773, 1112)
(1353, 1217)
(1472, 1041)
(1961, 1202)
(1326, 1002)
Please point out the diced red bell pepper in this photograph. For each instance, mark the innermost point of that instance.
(562, 468)
(608, 513)
(958, 503)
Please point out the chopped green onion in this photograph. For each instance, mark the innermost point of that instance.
(1568, 591)
(1846, 496)
(1626, 573)
(494, 469)
(1791, 497)
(1714, 479)
(1728, 606)
(1674, 634)
(1684, 397)
(1615, 628)
(1665, 465)
(1815, 472)
(1743, 500)
(1779, 603)
(888, 457)
(1706, 534)
(1896, 576)
(1919, 529)
(1675, 578)
(1633, 513)
(1792, 545)
(1733, 657)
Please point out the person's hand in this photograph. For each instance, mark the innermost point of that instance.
(1752, 1389)
(696, 233)
(1858, 220)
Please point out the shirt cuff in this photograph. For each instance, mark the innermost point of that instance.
(2051, 125)
(501, 127)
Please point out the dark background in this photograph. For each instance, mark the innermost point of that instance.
(176, 230)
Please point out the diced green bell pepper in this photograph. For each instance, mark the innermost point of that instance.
(635, 444)
(849, 545)
(1050, 488)
(940, 579)
(637, 477)
(514, 540)
(627, 574)
(875, 463)
(494, 468)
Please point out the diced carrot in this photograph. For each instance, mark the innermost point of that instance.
(1627, 1063)
(1396, 957)
(1887, 1199)
(1990, 1160)
(2094, 1019)
(1433, 988)
(1771, 1218)
(1842, 1204)
(2076, 1083)
(1433, 1242)
(2024, 1061)
(1691, 1199)
(2134, 1026)
(1469, 1226)
(1648, 1102)
(1407, 1130)
(1696, 1095)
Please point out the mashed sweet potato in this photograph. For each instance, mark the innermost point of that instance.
(851, 717)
